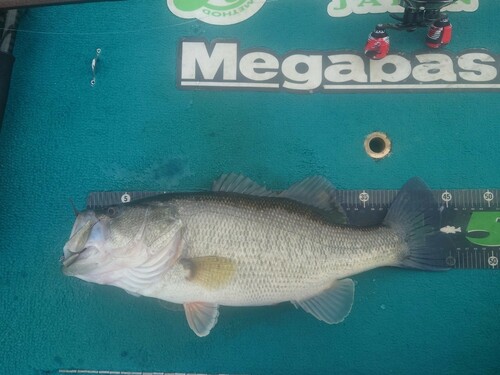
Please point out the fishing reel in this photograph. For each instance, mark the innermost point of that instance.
(417, 14)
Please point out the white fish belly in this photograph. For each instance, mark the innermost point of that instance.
(279, 255)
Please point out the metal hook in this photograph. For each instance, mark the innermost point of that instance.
(94, 66)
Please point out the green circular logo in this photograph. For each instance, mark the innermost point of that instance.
(189, 5)
(215, 12)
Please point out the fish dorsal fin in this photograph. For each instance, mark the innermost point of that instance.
(316, 191)
(333, 305)
(237, 183)
(201, 317)
(211, 272)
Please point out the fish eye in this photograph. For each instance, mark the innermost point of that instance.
(111, 211)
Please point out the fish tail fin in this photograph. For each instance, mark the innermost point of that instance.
(415, 217)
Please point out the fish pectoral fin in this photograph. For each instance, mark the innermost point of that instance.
(211, 272)
(201, 317)
(333, 305)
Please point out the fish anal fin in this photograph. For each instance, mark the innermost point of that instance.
(170, 305)
(333, 305)
(211, 272)
(201, 317)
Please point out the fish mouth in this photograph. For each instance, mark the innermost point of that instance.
(78, 264)
(67, 262)
(80, 233)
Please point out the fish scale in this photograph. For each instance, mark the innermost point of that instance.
(302, 255)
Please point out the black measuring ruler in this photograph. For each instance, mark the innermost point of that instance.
(470, 218)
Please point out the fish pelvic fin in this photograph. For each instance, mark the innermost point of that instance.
(415, 217)
(333, 305)
(201, 317)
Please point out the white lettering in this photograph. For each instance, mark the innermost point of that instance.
(312, 76)
(346, 68)
(222, 65)
(477, 72)
(435, 67)
(393, 68)
(196, 54)
(253, 61)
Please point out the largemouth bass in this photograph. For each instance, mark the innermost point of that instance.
(244, 245)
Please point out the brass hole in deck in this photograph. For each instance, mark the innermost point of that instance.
(377, 145)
